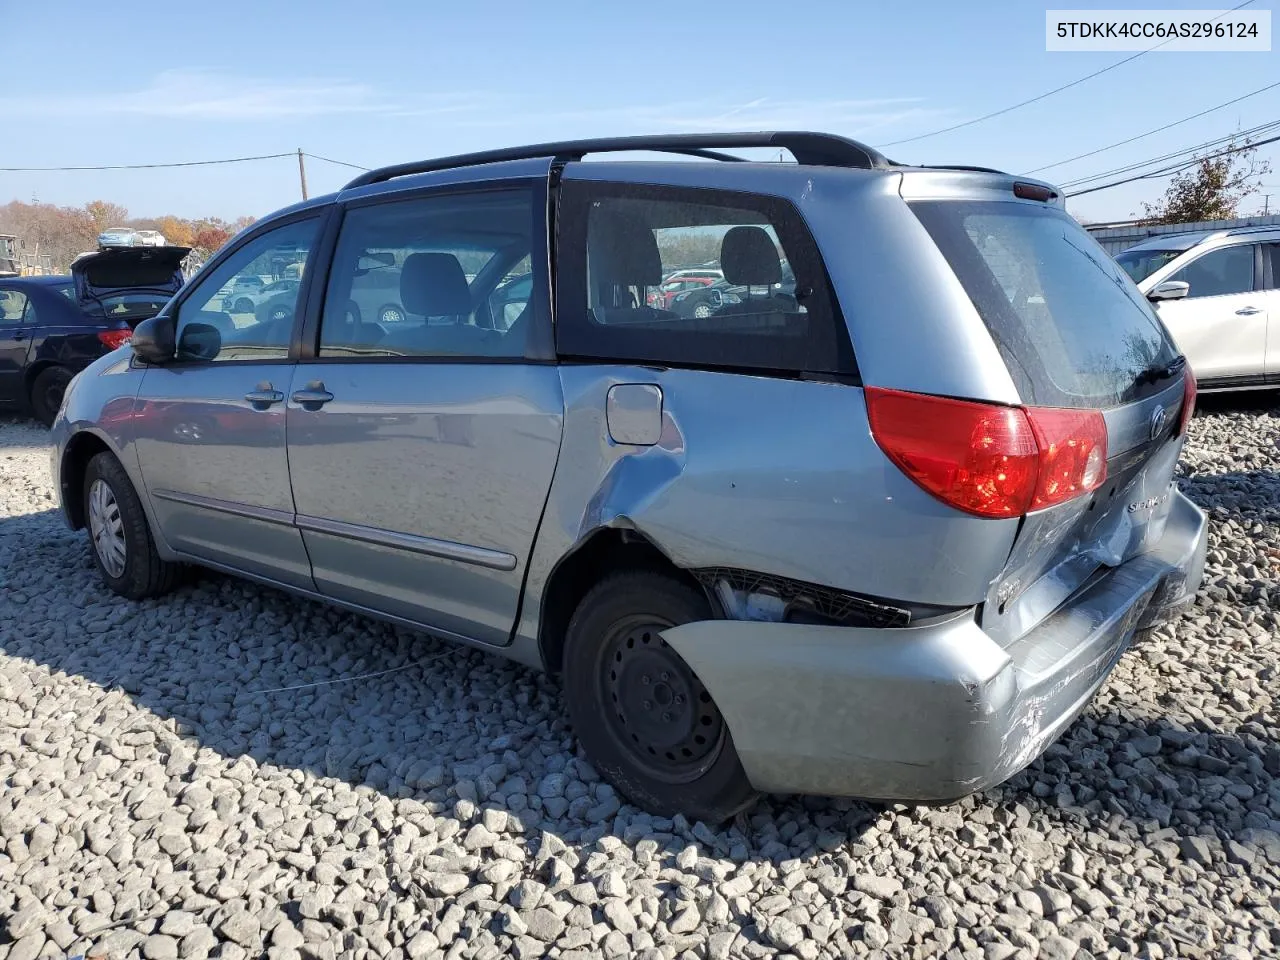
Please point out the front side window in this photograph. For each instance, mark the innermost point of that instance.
(613, 305)
(1140, 264)
(445, 276)
(13, 306)
(218, 321)
(1219, 272)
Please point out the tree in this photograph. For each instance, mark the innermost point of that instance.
(1213, 187)
(209, 238)
(105, 214)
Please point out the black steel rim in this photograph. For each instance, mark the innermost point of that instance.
(53, 395)
(656, 707)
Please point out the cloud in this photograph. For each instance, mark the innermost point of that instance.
(213, 96)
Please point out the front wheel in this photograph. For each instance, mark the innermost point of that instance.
(702, 311)
(120, 540)
(47, 393)
(641, 714)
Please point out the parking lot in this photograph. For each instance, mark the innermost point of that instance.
(233, 772)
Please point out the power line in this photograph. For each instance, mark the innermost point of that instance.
(1167, 126)
(354, 166)
(1050, 93)
(144, 166)
(1175, 167)
(1252, 131)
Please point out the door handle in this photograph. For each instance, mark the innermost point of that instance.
(20, 335)
(264, 396)
(1247, 311)
(313, 396)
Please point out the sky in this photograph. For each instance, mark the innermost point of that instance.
(92, 83)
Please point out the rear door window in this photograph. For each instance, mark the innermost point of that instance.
(1219, 272)
(612, 306)
(1073, 329)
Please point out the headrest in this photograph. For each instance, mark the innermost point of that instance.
(749, 258)
(433, 285)
(624, 250)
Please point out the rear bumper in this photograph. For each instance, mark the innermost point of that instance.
(929, 713)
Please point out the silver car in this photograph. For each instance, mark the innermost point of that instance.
(882, 533)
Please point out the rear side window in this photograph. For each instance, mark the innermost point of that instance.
(1073, 329)
(445, 276)
(1219, 272)
(769, 308)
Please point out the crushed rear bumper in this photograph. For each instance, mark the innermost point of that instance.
(929, 713)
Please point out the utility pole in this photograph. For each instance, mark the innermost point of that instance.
(302, 174)
(1266, 204)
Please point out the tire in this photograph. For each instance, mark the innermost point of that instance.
(390, 313)
(682, 761)
(46, 393)
(244, 305)
(141, 573)
(702, 311)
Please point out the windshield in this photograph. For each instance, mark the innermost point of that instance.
(1140, 264)
(1073, 329)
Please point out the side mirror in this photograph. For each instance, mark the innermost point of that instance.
(200, 341)
(153, 340)
(1169, 290)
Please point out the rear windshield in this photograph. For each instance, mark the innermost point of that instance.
(1141, 264)
(1073, 329)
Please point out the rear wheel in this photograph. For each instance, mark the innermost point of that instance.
(642, 715)
(119, 538)
(47, 393)
(702, 311)
(244, 305)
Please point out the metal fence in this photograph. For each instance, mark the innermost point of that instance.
(1115, 237)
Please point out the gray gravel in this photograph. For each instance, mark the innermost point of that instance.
(158, 800)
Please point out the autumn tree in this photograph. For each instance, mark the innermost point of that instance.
(1212, 188)
(105, 214)
(209, 237)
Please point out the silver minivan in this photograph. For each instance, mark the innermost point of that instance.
(880, 531)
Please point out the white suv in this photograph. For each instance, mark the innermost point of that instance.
(1216, 292)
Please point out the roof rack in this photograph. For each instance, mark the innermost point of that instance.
(817, 149)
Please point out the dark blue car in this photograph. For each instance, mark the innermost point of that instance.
(53, 327)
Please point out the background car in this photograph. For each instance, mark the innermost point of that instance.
(45, 340)
(117, 237)
(149, 238)
(1218, 292)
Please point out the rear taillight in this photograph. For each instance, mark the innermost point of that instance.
(1188, 400)
(115, 339)
(986, 459)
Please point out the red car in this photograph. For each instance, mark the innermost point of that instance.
(680, 282)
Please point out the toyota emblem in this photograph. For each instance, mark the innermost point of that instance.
(1158, 419)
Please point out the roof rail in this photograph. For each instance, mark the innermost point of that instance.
(963, 167)
(817, 149)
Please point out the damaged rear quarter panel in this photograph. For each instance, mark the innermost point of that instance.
(772, 475)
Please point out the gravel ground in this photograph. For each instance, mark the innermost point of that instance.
(162, 795)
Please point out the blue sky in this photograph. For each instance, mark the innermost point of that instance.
(138, 82)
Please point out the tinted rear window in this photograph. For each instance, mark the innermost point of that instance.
(1073, 329)
(621, 243)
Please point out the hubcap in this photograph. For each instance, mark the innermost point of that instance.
(106, 528)
(391, 316)
(660, 708)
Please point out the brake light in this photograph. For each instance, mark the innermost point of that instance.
(115, 339)
(987, 459)
(1189, 388)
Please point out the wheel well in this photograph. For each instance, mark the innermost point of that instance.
(82, 448)
(604, 552)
